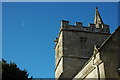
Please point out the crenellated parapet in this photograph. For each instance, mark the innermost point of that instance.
(101, 28)
(74, 46)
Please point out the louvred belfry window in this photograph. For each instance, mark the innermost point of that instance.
(83, 42)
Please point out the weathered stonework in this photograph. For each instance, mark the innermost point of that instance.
(105, 62)
(77, 57)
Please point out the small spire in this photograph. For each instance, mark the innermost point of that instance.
(98, 19)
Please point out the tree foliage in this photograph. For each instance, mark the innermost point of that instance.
(10, 71)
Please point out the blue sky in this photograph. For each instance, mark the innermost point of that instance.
(29, 30)
(60, 0)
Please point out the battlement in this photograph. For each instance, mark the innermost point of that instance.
(75, 45)
(102, 28)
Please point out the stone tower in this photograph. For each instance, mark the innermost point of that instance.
(74, 45)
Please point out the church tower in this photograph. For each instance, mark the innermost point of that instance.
(74, 45)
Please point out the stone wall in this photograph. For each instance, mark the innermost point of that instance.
(110, 54)
(78, 48)
(105, 62)
(74, 46)
(92, 70)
